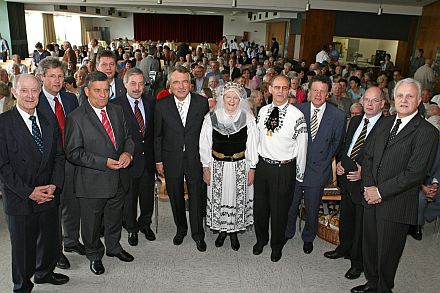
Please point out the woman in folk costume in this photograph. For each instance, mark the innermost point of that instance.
(228, 152)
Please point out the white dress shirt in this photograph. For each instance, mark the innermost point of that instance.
(112, 88)
(140, 105)
(28, 121)
(371, 122)
(2, 104)
(404, 120)
(186, 103)
(51, 100)
(288, 141)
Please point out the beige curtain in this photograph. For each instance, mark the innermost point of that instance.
(48, 29)
(84, 38)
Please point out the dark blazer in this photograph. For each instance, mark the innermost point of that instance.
(354, 188)
(119, 88)
(69, 101)
(397, 169)
(143, 156)
(88, 146)
(22, 167)
(326, 144)
(170, 136)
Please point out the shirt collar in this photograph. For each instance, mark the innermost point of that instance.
(25, 115)
(372, 120)
(406, 119)
(133, 100)
(50, 96)
(186, 100)
(321, 109)
(282, 106)
(98, 111)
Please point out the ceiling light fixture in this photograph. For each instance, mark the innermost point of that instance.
(159, 1)
(234, 3)
(308, 5)
(380, 10)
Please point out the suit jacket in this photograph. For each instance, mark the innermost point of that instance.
(119, 88)
(88, 146)
(23, 167)
(92, 55)
(69, 56)
(326, 144)
(397, 169)
(170, 136)
(354, 188)
(143, 156)
(69, 101)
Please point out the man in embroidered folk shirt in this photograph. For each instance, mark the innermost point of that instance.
(282, 149)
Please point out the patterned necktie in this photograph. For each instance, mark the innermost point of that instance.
(139, 119)
(181, 112)
(393, 132)
(107, 126)
(36, 134)
(359, 141)
(314, 124)
(60, 116)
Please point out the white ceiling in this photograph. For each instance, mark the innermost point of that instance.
(413, 7)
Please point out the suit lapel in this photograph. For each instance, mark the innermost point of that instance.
(47, 133)
(114, 121)
(409, 128)
(23, 134)
(191, 111)
(146, 111)
(173, 108)
(325, 121)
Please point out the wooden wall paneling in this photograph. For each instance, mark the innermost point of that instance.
(317, 30)
(278, 30)
(404, 48)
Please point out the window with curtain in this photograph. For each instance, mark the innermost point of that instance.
(68, 28)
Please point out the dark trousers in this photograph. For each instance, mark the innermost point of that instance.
(70, 212)
(274, 185)
(175, 189)
(35, 250)
(350, 230)
(312, 199)
(93, 212)
(383, 244)
(142, 189)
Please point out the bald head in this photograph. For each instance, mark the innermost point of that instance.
(373, 101)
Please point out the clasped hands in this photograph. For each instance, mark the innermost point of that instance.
(430, 190)
(42, 194)
(371, 195)
(122, 163)
(351, 176)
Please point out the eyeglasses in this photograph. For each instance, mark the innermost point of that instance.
(280, 88)
(373, 101)
(322, 92)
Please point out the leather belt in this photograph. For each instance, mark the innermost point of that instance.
(274, 162)
(222, 157)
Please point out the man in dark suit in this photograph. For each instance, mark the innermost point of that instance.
(139, 113)
(326, 128)
(349, 167)
(177, 126)
(98, 143)
(32, 172)
(58, 104)
(106, 63)
(234, 72)
(396, 161)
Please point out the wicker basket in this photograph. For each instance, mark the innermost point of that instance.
(327, 233)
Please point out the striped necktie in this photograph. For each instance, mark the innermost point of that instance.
(314, 124)
(359, 141)
(181, 112)
(36, 134)
(139, 119)
(394, 131)
(108, 128)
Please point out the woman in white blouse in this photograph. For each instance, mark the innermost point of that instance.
(228, 152)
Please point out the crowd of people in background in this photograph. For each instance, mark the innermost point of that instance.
(263, 132)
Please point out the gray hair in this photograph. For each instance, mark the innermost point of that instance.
(180, 69)
(94, 76)
(409, 81)
(17, 79)
(356, 105)
(50, 62)
(131, 72)
(287, 64)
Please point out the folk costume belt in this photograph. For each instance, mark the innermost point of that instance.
(222, 157)
(274, 162)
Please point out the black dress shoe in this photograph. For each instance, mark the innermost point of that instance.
(276, 255)
(416, 232)
(63, 263)
(149, 234)
(178, 239)
(353, 273)
(220, 239)
(201, 245)
(54, 279)
(362, 289)
(79, 248)
(133, 238)
(97, 267)
(308, 247)
(235, 244)
(334, 254)
(258, 248)
(123, 256)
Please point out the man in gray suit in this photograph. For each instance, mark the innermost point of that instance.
(97, 141)
(150, 63)
(396, 161)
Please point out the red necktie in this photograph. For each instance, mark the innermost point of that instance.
(60, 116)
(108, 128)
(139, 119)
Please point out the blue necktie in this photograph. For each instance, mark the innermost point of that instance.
(36, 134)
